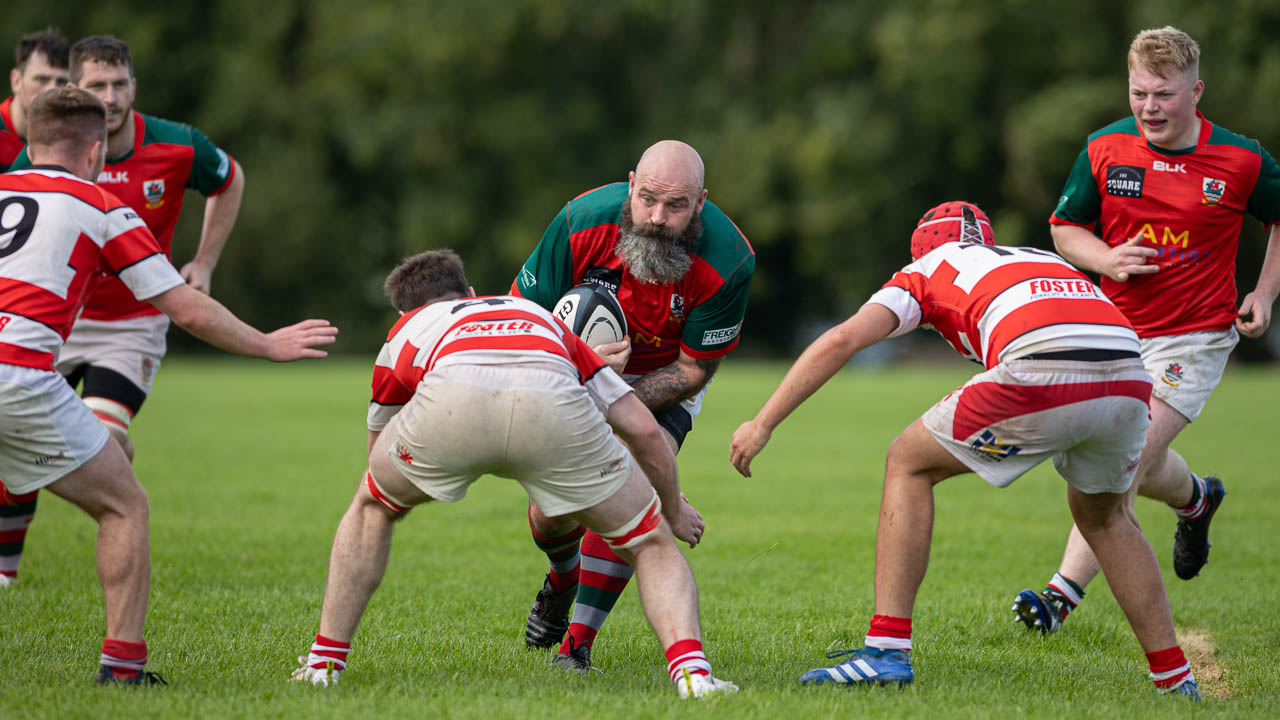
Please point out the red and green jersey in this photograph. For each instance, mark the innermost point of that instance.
(166, 159)
(1189, 205)
(701, 314)
(11, 143)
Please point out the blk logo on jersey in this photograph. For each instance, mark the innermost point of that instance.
(990, 447)
(1173, 374)
(1213, 191)
(1125, 180)
(117, 176)
(1162, 166)
(153, 192)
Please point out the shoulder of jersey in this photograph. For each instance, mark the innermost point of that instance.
(1223, 136)
(28, 180)
(159, 130)
(1123, 126)
(723, 245)
(601, 206)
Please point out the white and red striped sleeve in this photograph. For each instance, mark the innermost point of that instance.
(132, 253)
(604, 385)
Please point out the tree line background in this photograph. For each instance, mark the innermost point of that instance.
(372, 130)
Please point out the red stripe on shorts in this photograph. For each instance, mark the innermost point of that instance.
(984, 404)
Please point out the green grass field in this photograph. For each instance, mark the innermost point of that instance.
(249, 467)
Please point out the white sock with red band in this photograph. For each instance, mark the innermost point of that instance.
(686, 655)
(325, 651)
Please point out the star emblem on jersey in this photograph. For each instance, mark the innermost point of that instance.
(1213, 191)
(403, 454)
(153, 191)
(990, 447)
(1173, 374)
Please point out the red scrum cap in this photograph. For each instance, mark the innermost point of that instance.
(954, 221)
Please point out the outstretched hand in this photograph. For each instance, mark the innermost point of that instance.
(1128, 259)
(299, 340)
(748, 440)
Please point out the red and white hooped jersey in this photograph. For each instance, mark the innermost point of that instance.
(496, 330)
(58, 235)
(994, 303)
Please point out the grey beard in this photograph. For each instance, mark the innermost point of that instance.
(653, 261)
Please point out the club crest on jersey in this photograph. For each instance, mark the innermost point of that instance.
(989, 447)
(148, 369)
(1125, 180)
(153, 192)
(1173, 374)
(1214, 190)
(677, 308)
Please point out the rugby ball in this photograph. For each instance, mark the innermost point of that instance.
(593, 314)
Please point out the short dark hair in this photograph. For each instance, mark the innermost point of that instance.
(66, 115)
(99, 48)
(426, 277)
(49, 42)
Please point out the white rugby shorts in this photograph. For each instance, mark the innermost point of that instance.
(133, 347)
(1090, 417)
(46, 431)
(1185, 369)
(535, 424)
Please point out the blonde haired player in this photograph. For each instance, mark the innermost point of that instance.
(1166, 191)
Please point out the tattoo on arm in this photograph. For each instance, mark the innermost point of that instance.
(668, 385)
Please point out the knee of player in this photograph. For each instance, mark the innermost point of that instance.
(372, 497)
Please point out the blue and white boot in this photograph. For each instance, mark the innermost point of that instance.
(863, 666)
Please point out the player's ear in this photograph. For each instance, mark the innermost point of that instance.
(15, 76)
(471, 292)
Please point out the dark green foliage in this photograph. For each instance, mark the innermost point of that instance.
(369, 131)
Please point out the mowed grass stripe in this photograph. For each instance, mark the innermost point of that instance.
(249, 467)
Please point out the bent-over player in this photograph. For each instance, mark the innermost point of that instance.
(471, 385)
(1063, 380)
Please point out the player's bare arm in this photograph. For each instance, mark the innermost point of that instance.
(220, 212)
(815, 366)
(648, 443)
(212, 322)
(1087, 251)
(673, 383)
(1255, 310)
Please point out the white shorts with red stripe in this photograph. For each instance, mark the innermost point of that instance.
(46, 431)
(1090, 417)
(533, 423)
(133, 347)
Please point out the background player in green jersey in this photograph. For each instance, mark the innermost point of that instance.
(1165, 191)
(681, 270)
(118, 343)
(40, 63)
